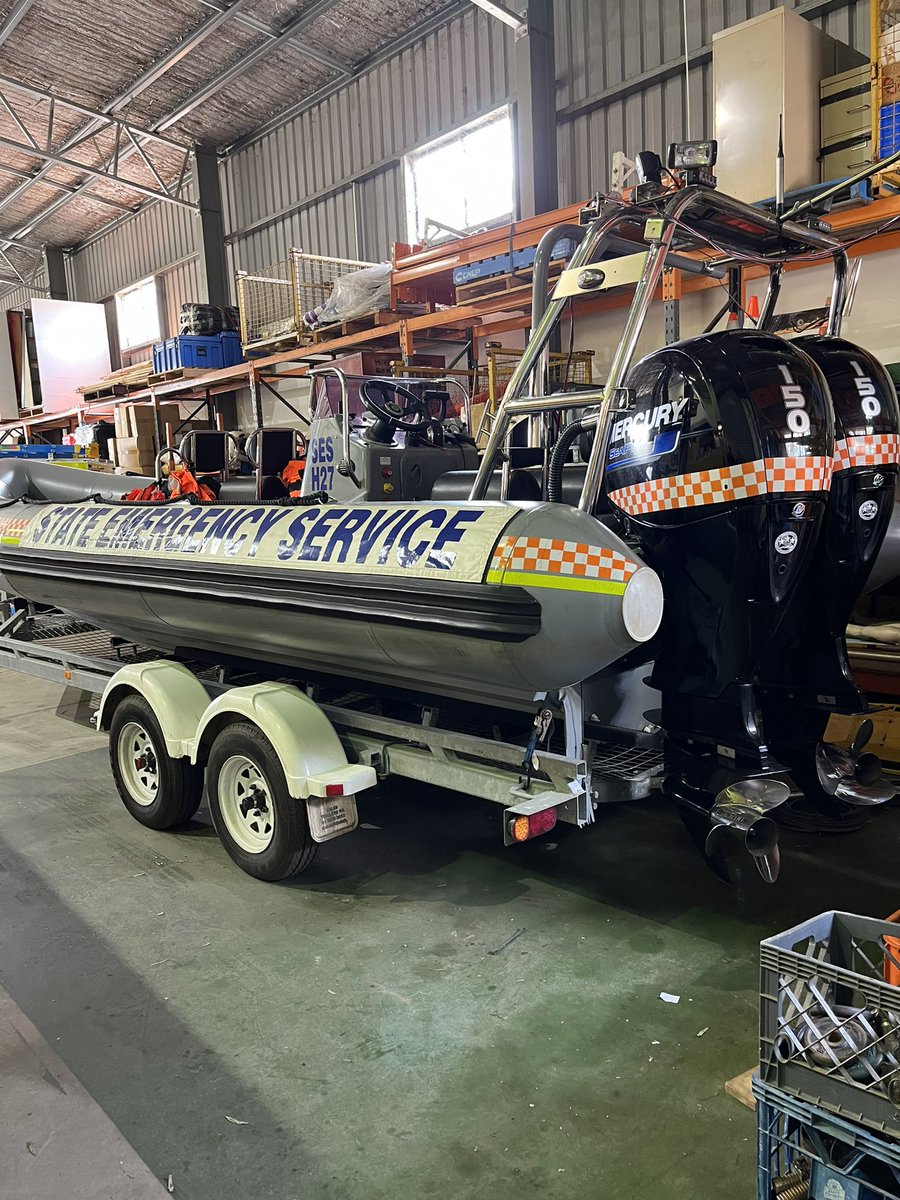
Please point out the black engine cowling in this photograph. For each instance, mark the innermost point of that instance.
(806, 674)
(720, 468)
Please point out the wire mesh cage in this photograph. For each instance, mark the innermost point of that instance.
(266, 305)
(564, 370)
(493, 376)
(314, 277)
(829, 1015)
(885, 21)
(274, 302)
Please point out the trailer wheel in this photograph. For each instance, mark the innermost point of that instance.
(157, 790)
(263, 828)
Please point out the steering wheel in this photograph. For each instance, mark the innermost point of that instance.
(390, 411)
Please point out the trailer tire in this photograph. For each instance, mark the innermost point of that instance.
(262, 827)
(159, 791)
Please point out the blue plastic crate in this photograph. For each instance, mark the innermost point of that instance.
(36, 450)
(198, 352)
(838, 1159)
(889, 129)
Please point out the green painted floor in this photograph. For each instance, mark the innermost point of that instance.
(354, 1025)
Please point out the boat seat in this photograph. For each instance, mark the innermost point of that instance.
(208, 450)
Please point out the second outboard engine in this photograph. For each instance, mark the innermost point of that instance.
(806, 674)
(719, 468)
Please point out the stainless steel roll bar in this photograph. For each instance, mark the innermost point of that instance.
(790, 237)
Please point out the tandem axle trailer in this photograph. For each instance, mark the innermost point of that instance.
(282, 761)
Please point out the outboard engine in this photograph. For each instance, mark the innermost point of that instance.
(719, 469)
(806, 674)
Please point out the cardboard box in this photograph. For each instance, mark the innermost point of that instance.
(120, 417)
(135, 454)
(141, 419)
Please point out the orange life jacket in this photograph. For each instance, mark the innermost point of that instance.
(292, 476)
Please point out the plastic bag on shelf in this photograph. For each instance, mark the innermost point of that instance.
(353, 295)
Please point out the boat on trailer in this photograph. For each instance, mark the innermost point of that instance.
(635, 586)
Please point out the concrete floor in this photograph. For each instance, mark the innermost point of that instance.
(353, 1024)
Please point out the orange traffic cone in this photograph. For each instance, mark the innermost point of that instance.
(753, 309)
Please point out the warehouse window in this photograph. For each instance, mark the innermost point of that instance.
(461, 181)
(137, 314)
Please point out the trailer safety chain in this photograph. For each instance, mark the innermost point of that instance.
(543, 722)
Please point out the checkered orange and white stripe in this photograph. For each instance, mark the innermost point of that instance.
(866, 450)
(553, 562)
(762, 477)
(12, 528)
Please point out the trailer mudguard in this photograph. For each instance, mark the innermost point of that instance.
(309, 750)
(175, 694)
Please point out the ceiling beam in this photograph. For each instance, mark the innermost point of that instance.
(31, 177)
(190, 42)
(13, 17)
(502, 13)
(398, 45)
(273, 33)
(310, 14)
(60, 160)
(198, 35)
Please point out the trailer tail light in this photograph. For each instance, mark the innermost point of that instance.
(522, 828)
(334, 789)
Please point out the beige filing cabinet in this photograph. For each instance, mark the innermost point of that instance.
(846, 113)
(772, 64)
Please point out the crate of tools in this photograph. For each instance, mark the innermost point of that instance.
(830, 1018)
(805, 1153)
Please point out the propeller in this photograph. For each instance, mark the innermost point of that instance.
(743, 806)
(853, 775)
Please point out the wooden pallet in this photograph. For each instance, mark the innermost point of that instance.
(177, 373)
(103, 391)
(512, 285)
(118, 383)
(740, 1088)
(274, 345)
(384, 316)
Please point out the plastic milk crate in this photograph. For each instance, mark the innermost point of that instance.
(829, 1013)
(804, 1153)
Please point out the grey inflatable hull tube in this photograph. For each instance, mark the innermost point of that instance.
(494, 600)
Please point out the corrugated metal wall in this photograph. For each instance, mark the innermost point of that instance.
(610, 97)
(184, 282)
(331, 180)
(21, 295)
(152, 240)
(608, 54)
(298, 181)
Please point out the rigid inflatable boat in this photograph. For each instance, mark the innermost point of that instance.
(668, 561)
(505, 598)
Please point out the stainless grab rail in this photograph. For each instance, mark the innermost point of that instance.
(328, 369)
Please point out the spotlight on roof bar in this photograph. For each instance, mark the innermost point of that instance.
(694, 160)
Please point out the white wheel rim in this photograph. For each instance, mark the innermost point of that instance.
(245, 802)
(138, 764)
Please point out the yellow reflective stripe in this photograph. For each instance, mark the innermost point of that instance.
(569, 583)
(9, 541)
